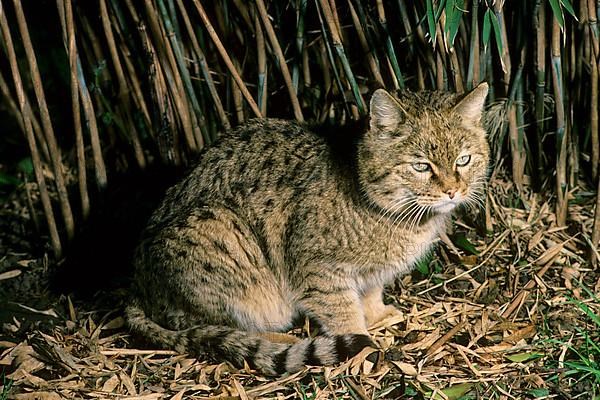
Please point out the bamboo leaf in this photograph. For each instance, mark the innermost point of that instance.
(452, 393)
(497, 33)
(569, 7)
(463, 243)
(454, 10)
(431, 21)
(522, 357)
(557, 11)
(487, 22)
(8, 180)
(539, 392)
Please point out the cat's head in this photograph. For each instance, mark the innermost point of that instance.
(425, 153)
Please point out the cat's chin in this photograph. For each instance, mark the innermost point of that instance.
(445, 208)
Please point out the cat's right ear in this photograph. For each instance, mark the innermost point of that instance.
(385, 112)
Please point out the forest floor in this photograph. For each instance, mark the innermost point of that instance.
(512, 314)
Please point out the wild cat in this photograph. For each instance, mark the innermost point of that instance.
(278, 221)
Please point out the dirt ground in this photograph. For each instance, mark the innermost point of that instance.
(507, 314)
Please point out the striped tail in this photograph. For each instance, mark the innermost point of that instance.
(236, 346)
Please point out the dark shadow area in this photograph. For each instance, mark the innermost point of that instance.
(99, 258)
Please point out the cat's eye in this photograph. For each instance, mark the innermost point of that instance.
(464, 160)
(421, 167)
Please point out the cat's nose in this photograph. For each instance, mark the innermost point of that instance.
(451, 193)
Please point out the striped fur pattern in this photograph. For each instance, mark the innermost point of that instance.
(280, 221)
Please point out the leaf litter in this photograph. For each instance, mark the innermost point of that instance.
(495, 316)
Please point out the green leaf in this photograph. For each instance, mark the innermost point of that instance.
(487, 21)
(588, 311)
(26, 166)
(8, 180)
(569, 7)
(457, 391)
(431, 21)
(497, 33)
(539, 392)
(463, 243)
(452, 393)
(423, 264)
(557, 11)
(454, 10)
(522, 357)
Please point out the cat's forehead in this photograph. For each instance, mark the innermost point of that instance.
(440, 137)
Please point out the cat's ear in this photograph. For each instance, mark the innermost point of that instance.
(471, 107)
(386, 114)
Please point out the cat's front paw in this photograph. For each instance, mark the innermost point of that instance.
(382, 313)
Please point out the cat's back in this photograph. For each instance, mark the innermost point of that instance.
(258, 159)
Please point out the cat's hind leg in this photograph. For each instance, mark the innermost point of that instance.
(212, 270)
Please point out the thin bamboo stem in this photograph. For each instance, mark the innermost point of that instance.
(176, 52)
(339, 49)
(539, 24)
(389, 47)
(55, 156)
(262, 65)
(362, 38)
(210, 83)
(14, 109)
(473, 74)
(236, 76)
(264, 16)
(561, 134)
(26, 115)
(594, 62)
(71, 47)
(124, 94)
(173, 78)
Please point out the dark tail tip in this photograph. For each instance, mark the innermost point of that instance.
(347, 346)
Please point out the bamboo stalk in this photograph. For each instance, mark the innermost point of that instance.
(238, 105)
(176, 52)
(594, 62)
(55, 156)
(210, 83)
(124, 94)
(473, 73)
(327, 51)
(29, 135)
(389, 46)
(90, 119)
(339, 49)
(14, 109)
(517, 150)
(236, 76)
(68, 25)
(594, 67)
(264, 16)
(172, 77)
(539, 23)
(165, 120)
(561, 136)
(365, 46)
(262, 65)
(596, 229)
(88, 110)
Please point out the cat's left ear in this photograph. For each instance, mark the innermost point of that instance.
(386, 114)
(471, 107)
